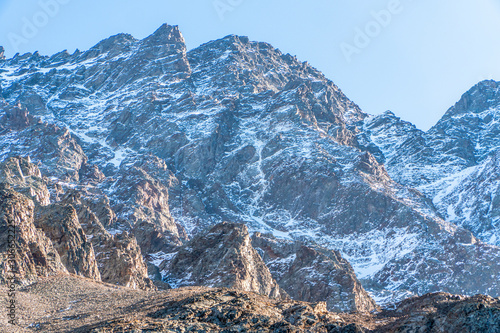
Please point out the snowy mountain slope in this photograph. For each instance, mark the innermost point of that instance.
(471, 200)
(412, 157)
(236, 130)
(454, 163)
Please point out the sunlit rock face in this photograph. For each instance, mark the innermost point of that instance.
(222, 256)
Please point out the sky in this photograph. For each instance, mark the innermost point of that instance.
(413, 57)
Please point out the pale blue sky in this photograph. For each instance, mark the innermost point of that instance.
(417, 63)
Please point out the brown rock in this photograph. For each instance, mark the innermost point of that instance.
(118, 256)
(222, 257)
(25, 178)
(16, 117)
(60, 223)
(120, 262)
(34, 253)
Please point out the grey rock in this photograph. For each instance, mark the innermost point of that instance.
(254, 136)
(139, 197)
(453, 163)
(443, 312)
(222, 310)
(53, 148)
(314, 274)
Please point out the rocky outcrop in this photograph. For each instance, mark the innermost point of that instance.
(53, 147)
(223, 256)
(443, 312)
(314, 274)
(118, 256)
(223, 310)
(140, 198)
(121, 262)
(33, 254)
(60, 223)
(25, 178)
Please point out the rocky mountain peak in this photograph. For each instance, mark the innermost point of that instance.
(165, 34)
(471, 128)
(114, 44)
(483, 96)
(384, 133)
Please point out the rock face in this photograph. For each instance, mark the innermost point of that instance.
(471, 199)
(314, 274)
(53, 147)
(60, 223)
(140, 200)
(222, 257)
(25, 178)
(453, 163)
(121, 262)
(235, 130)
(73, 231)
(118, 256)
(34, 254)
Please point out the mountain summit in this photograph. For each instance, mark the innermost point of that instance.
(163, 144)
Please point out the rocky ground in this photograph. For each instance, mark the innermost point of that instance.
(68, 303)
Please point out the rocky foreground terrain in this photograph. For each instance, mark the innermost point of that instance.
(144, 171)
(67, 303)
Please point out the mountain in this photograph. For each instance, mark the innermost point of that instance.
(454, 163)
(161, 143)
